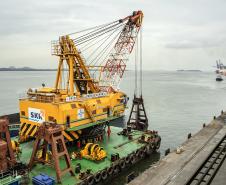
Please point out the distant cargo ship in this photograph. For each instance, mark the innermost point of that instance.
(188, 70)
(219, 78)
(221, 68)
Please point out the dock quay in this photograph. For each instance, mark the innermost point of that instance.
(199, 160)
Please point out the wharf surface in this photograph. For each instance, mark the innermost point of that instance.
(178, 169)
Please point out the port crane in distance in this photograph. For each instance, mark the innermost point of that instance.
(86, 94)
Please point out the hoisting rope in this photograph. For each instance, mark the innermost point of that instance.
(108, 46)
(98, 42)
(95, 33)
(141, 61)
(138, 58)
(95, 27)
(105, 41)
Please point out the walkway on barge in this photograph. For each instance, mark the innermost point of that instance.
(201, 158)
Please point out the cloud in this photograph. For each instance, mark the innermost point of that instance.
(194, 44)
(184, 44)
(172, 29)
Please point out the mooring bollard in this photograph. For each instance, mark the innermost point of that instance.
(189, 135)
(167, 151)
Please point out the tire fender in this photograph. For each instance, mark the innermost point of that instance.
(104, 174)
(90, 180)
(122, 163)
(133, 158)
(97, 177)
(110, 170)
(127, 159)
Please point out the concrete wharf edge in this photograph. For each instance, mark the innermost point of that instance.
(177, 169)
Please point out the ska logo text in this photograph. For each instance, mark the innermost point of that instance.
(36, 115)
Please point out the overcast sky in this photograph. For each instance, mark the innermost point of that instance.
(177, 34)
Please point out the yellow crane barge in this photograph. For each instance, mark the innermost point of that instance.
(85, 98)
(83, 103)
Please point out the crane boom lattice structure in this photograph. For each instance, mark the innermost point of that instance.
(116, 64)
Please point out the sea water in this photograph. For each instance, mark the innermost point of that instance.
(177, 103)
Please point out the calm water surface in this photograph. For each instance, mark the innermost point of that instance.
(177, 103)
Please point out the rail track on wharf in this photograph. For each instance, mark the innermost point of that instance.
(207, 171)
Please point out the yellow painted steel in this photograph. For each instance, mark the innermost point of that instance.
(93, 152)
(24, 128)
(34, 131)
(15, 146)
(48, 155)
(28, 130)
(74, 134)
(67, 136)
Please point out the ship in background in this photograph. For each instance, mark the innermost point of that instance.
(221, 68)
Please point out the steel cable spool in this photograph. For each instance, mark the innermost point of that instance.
(104, 174)
(90, 180)
(97, 177)
(122, 163)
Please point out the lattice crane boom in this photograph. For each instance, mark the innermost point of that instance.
(115, 66)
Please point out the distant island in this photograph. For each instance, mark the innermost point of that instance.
(12, 68)
(188, 70)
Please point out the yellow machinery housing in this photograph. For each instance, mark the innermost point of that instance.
(93, 152)
(76, 114)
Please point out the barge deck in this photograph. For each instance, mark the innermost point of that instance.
(116, 143)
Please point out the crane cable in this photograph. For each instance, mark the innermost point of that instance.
(87, 29)
(102, 43)
(141, 58)
(92, 43)
(136, 58)
(93, 33)
(104, 50)
(91, 37)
